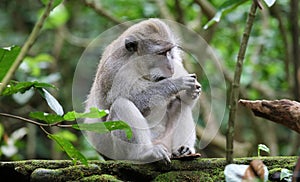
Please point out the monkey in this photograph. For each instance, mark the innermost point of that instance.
(141, 80)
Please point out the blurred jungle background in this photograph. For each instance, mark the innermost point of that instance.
(269, 72)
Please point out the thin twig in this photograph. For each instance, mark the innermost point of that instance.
(236, 83)
(23, 119)
(98, 9)
(35, 122)
(44, 130)
(28, 44)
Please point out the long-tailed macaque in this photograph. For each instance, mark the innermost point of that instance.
(141, 80)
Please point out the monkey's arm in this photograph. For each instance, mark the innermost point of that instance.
(160, 93)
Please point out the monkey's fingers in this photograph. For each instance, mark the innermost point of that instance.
(197, 85)
(161, 152)
(167, 159)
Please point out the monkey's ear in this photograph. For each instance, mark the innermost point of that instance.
(131, 44)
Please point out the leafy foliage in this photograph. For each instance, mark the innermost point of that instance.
(263, 148)
(94, 113)
(52, 102)
(48, 118)
(7, 57)
(22, 87)
(104, 127)
(225, 8)
(68, 147)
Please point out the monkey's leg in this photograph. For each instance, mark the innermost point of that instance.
(184, 136)
(140, 146)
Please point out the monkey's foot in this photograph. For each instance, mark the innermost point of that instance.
(182, 151)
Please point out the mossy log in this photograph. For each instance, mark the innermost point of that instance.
(201, 169)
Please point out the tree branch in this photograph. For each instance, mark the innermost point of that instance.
(98, 9)
(236, 83)
(34, 122)
(284, 111)
(28, 44)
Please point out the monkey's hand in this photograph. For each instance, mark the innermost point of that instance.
(160, 152)
(194, 89)
(187, 82)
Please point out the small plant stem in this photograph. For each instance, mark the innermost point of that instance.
(236, 83)
(28, 44)
(35, 122)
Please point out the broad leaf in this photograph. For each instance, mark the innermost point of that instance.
(225, 8)
(94, 113)
(52, 102)
(68, 147)
(22, 87)
(7, 58)
(48, 118)
(104, 127)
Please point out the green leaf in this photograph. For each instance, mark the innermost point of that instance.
(94, 113)
(225, 8)
(48, 118)
(285, 173)
(68, 135)
(270, 3)
(22, 87)
(52, 102)
(104, 127)
(7, 57)
(68, 147)
(263, 148)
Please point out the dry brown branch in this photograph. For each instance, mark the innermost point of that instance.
(284, 111)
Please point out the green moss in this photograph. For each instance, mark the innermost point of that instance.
(179, 176)
(203, 169)
(63, 174)
(103, 177)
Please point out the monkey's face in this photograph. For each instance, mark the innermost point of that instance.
(161, 65)
(155, 58)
